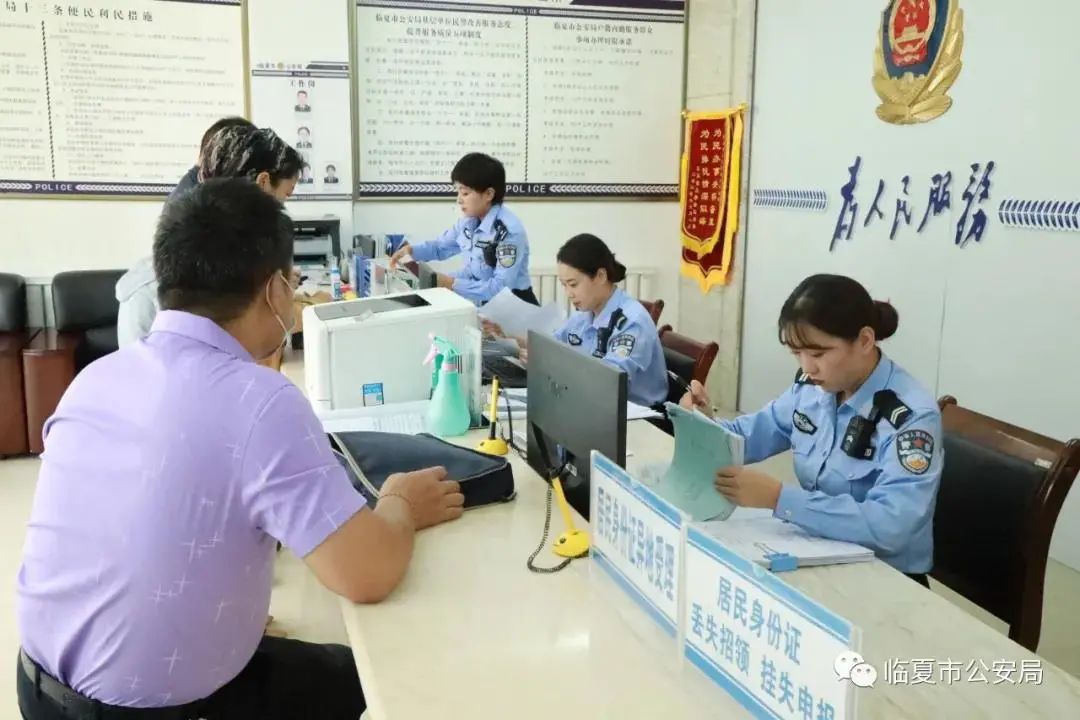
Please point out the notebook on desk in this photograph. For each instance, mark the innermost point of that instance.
(760, 538)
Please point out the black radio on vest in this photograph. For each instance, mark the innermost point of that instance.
(492, 248)
(603, 336)
(859, 431)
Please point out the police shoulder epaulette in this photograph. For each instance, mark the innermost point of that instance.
(801, 378)
(892, 408)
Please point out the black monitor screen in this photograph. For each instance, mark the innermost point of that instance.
(577, 404)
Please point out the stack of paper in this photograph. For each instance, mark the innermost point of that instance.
(517, 317)
(701, 448)
(403, 418)
(757, 537)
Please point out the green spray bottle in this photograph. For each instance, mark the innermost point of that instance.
(448, 414)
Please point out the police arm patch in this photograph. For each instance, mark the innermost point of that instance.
(574, 339)
(915, 450)
(507, 254)
(622, 345)
(803, 423)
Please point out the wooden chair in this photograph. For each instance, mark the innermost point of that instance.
(655, 308)
(686, 357)
(1002, 488)
(689, 360)
(14, 337)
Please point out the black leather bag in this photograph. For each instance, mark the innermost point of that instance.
(371, 457)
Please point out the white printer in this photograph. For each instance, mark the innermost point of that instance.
(371, 351)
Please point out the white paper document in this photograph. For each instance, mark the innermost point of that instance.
(403, 418)
(755, 537)
(517, 317)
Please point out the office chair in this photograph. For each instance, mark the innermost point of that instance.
(689, 360)
(655, 308)
(85, 309)
(1002, 488)
(14, 337)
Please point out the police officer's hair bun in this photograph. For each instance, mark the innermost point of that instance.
(589, 254)
(618, 273)
(836, 305)
(888, 320)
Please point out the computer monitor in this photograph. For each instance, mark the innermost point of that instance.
(576, 404)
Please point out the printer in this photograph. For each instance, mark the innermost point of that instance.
(314, 243)
(371, 351)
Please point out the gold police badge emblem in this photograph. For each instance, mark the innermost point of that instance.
(917, 59)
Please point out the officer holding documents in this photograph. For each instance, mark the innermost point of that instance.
(608, 324)
(865, 435)
(492, 238)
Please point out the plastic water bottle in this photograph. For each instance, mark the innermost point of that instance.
(335, 279)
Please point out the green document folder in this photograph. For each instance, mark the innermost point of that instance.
(701, 448)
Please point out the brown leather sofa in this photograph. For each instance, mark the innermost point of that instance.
(14, 337)
(85, 310)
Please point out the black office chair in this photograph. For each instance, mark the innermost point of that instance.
(85, 309)
(85, 304)
(1002, 488)
(688, 359)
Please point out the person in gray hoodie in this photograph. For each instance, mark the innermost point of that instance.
(233, 149)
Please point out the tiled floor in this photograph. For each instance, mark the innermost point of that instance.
(304, 609)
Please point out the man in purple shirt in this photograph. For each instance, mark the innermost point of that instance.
(171, 468)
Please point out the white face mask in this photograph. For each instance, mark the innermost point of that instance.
(285, 329)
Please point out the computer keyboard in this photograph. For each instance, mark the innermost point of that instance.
(510, 373)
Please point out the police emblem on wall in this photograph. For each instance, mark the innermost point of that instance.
(917, 59)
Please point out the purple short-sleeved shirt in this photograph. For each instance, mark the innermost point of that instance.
(171, 468)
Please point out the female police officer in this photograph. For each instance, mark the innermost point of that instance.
(865, 435)
(493, 238)
(609, 324)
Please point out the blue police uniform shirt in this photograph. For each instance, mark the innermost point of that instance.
(885, 502)
(478, 280)
(633, 346)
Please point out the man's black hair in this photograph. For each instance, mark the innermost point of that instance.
(246, 152)
(216, 246)
(480, 172)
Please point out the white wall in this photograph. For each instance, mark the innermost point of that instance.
(45, 236)
(990, 322)
(42, 237)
